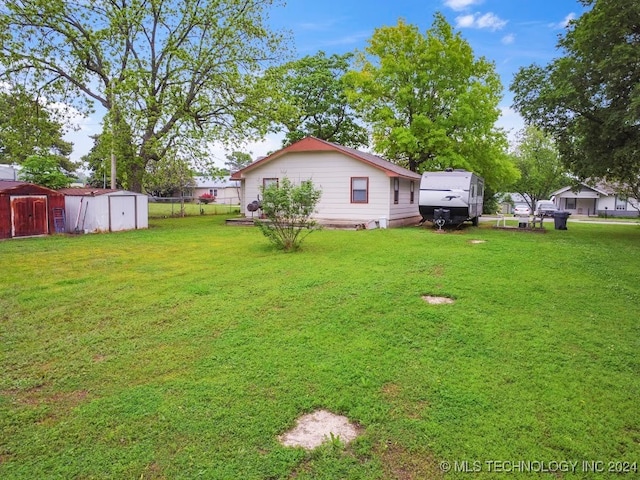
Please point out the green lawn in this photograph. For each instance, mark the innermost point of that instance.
(184, 350)
(168, 209)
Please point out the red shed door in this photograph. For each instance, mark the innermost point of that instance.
(29, 215)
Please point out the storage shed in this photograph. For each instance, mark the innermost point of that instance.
(92, 210)
(27, 210)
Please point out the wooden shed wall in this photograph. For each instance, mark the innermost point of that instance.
(54, 200)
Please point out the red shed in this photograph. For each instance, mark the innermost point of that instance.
(27, 209)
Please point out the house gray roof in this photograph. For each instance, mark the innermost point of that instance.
(208, 182)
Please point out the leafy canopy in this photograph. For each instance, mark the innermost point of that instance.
(28, 128)
(589, 99)
(45, 171)
(314, 101)
(542, 172)
(172, 75)
(288, 209)
(431, 104)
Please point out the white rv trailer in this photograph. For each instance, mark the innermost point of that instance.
(451, 197)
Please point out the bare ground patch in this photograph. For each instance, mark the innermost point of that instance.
(315, 428)
(434, 300)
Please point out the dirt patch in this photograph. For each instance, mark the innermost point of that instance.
(436, 300)
(477, 241)
(402, 464)
(315, 428)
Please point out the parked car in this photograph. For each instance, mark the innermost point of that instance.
(521, 210)
(545, 208)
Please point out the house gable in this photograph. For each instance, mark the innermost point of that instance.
(312, 144)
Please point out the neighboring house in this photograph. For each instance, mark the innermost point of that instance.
(594, 200)
(27, 210)
(92, 210)
(357, 187)
(8, 172)
(223, 189)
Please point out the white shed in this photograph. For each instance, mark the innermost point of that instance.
(92, 210)
(357, 187)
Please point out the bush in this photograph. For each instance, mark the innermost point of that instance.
(288, 209)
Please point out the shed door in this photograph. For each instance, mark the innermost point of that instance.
(29, 215)
(122, 212)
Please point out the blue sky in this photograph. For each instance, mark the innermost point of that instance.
(510, 33)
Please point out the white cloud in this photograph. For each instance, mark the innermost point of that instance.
(565, 21)
(476, 20)
(508, 39)
(465, 21)
(459, 5)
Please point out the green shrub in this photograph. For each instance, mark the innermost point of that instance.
(288, 209)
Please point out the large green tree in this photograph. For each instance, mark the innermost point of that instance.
(541, 171)
(430, 102)
(45, 171)
(589, 98)
(28, 128)
(172, 75)
(314, 101)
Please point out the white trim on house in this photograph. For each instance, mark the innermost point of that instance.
(593, 200)
(332, 168)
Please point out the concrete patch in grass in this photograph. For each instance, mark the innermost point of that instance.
(433, 300)
(313, 429)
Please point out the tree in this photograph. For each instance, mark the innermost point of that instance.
(589, 99)
(315, 102)
(172, 75)
(288, 209)
(27, 128)
(45, 171)
(98, 161)
(432, 105)
(542, 172)
(237, 161)
(169, 177)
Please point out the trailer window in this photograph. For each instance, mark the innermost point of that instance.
(359, 189)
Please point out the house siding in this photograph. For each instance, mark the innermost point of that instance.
(331, 172)
(591, 202)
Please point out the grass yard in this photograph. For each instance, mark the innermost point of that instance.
(183, 351)
(168, 209)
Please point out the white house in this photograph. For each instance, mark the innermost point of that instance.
(92, 210)
(357, 187)
(595, 200)
(224, 189)
(8, 172)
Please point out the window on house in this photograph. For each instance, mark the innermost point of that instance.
(359, 189)
(215, 192)
(571, 204)
(396, 190)
(621, 203)
(412, 188)
(269, 181)
(211, 192)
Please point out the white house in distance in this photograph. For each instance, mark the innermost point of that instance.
(357, 187)
(594, 200)
(225, 190)
(92, 210)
